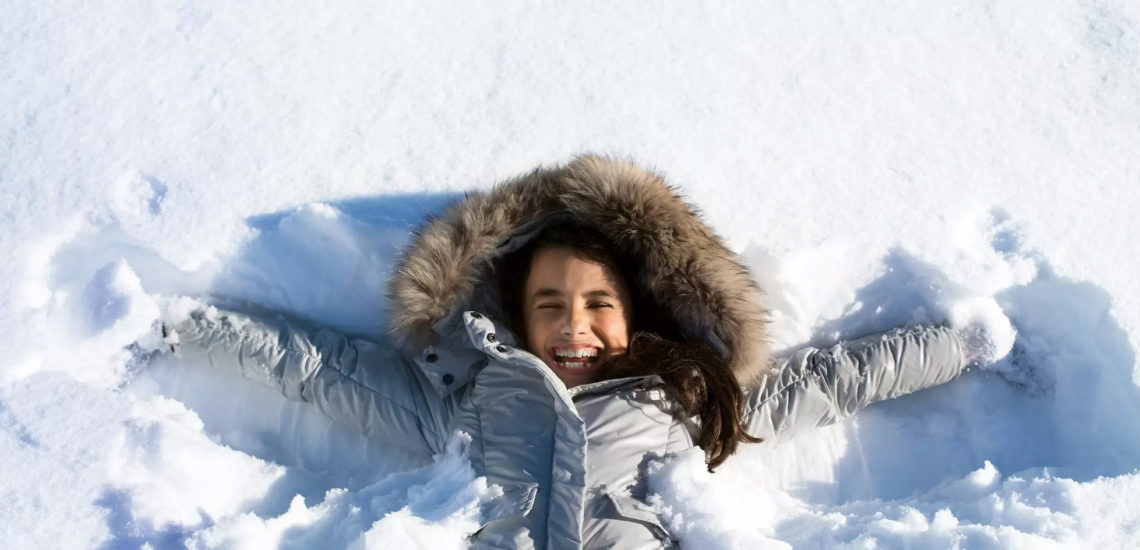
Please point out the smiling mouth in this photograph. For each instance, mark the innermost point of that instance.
(575, 358)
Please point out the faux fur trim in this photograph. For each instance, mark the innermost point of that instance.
(687, 267)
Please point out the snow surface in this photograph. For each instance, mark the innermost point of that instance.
(875, 163)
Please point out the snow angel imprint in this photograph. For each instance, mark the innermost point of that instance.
(574, 321)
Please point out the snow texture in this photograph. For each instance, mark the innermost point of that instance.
(875, 164)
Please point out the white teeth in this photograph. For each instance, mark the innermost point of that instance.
(575, 358)
(576, 353)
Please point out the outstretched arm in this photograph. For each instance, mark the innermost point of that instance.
(816, 387)
(368, 388)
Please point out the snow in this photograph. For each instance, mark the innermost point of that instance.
(433, 506)
(174, 474)
(875, 164)
(983, 509)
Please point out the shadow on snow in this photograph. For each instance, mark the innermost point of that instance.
(1063, 399)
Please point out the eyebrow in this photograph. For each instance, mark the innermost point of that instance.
(554, 293)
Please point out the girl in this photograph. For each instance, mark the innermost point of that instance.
(576, 322)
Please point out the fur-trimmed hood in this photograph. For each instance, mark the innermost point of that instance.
(685, 266)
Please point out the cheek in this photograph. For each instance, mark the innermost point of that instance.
(536, 334)
(617, 331)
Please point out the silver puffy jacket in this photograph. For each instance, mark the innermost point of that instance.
(569, 460)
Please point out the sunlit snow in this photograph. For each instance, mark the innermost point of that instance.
(875, 165)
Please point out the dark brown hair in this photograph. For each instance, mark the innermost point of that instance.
(695, 376)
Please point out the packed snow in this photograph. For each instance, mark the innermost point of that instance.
(971, 163)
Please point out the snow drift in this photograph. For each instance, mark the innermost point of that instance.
(876, 166)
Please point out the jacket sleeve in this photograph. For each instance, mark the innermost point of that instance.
(364, 386)
(815, 387)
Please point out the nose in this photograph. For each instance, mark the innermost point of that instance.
(575, 322)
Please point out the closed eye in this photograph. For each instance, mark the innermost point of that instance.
(601, 305)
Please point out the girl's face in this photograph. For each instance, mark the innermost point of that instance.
(576, 313)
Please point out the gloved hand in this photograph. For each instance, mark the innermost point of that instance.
(175, 312)
(985, 331)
